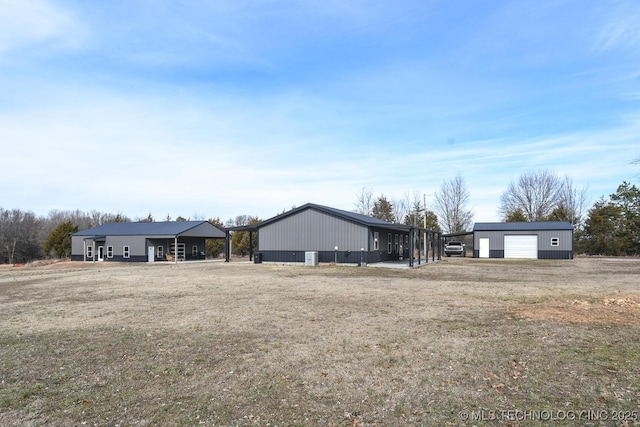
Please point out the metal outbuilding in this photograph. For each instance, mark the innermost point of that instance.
(336, 236)
(144, 241)
(535, 240)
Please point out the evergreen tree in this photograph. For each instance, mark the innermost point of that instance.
(613, 226)
(627, 197)
(59, 241)
(516, 216)
(603, 229)
(383, 209)
(417, 219)
(214, 247)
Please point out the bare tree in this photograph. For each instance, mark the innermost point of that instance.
(401, 208)
(415, 214)
(572, 203)
(451, 206)
(19, 236)
(364, 205)
(536, 194)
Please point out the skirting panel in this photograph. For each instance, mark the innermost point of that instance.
(343, 257)
(541, 254)
(555, 254)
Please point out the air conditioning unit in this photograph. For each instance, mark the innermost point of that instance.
(311, 259)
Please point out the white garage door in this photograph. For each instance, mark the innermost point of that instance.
(521, 247)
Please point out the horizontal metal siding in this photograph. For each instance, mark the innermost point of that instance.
(310, 230)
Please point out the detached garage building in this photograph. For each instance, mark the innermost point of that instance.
(535, 240)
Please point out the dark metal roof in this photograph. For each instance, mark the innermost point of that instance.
(522, 226)
(347, 215)
(354, 216)
(165, 228)
(350, 216)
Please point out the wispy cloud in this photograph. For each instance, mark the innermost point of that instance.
(37, 23)
(231, 107)
(620, 30)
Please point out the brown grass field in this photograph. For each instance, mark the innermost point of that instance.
(459, 342)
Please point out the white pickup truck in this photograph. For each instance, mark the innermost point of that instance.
(454, 247)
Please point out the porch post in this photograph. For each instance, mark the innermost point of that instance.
(433, 252)
(426, 247)
(175, 250)
(411, 234)
(226, 245)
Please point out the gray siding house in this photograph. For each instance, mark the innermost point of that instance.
(536, 240)
(316, 228)
(143, 241)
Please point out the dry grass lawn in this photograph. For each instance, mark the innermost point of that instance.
(242, 344)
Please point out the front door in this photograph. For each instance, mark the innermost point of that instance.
(484, 247)
(100, 253)
(151, 254)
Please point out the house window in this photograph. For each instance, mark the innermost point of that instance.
(125, 252)
(194, 251)
(376, 241)
(397, 251)
(160, 252)
(389, 243)
(109, 251)
(555, 241)
(89, 251)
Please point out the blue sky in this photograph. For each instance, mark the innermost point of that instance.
(223, 108)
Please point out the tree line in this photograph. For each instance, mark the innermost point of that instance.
(25, 236)
(611, 226)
